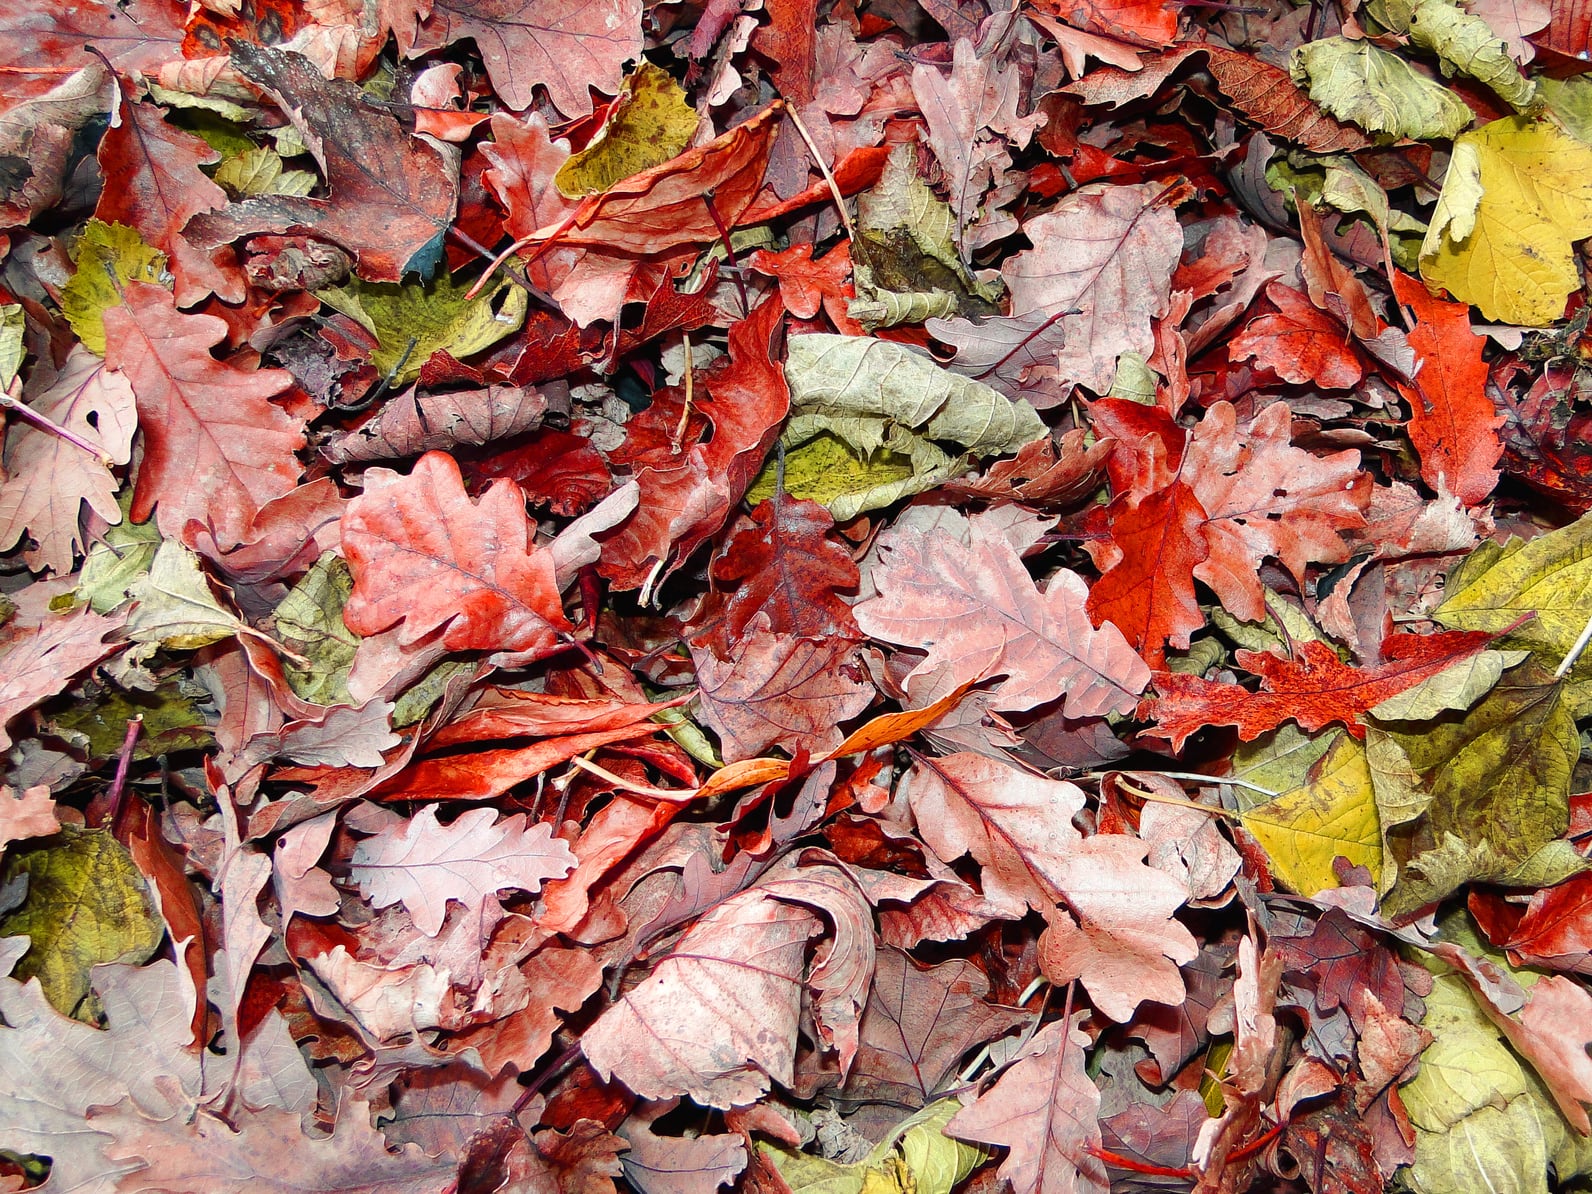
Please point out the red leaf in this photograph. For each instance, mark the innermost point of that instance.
(422, 553)
(787, 565)
(153, 183)
(1314, 689)
(726, 1004)
(686, 495)
(664, 207)
(806, 285)
(392, 197)
(1155, 544)
(1301, 343)
(215, 449)
(44, 42)
(1142, 22)
(977, 612)
(1556, 930)
(1453, 424)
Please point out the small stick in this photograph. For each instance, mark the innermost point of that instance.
(729, 250)
(690, 377)
(604, 774)
(1194, 777)
(51, 427)
(1574, 653)
(124, 762)
(818, 160)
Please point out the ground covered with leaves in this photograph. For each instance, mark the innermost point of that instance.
(793, 596)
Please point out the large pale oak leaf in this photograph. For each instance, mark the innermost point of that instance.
(565, 45)
(48, 481)
(1108, 252)
(976, 611)
(1044, 1110)
(215, 449)
(717, 1018)
(425, 864)
(1110, 915)
(422, 553)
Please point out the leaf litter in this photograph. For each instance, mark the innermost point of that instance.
(867, 597)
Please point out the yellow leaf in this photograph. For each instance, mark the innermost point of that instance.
(649, 123)
(105, 250)
(1334, 813)
(1509, 251)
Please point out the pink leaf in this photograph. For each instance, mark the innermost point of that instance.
(426, 864)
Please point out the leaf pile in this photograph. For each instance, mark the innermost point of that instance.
(795, 597)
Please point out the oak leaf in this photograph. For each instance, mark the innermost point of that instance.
(215, 449)
(977, 612)
(48, 480)
(1044, 1110)
(423, 554)
(426, 864)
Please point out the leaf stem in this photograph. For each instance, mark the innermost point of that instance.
(1574, 652)
(823, 168)
(124, 762)
(1194, 777)
(50, 426)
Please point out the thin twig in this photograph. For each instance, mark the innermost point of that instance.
(1574, 652)
(51, 427)
(624, 784)
(823, 168)
(124, 762)
(729, 250)
(1195, 777)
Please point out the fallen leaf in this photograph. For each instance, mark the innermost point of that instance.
(425, 865)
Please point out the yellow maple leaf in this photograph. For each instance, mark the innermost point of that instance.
(1517, 195)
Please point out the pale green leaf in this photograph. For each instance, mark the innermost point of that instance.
(1380, 92)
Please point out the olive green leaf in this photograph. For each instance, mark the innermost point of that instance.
(915, 1157)
(1463, 43)
(1538, 590)
(412, 320)
(1333, 813)
(117, 561)
(1380, 92)
(103, 250)
(86, 904)
(310, 620)
(98, 726)
(1489, 790)
(11, 347)
(175, 607)
(259, 171)
(872, 415)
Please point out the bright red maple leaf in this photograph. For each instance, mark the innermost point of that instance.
(1315, 688)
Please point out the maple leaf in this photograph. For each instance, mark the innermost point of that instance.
(392, 197)
(1453, 424)
(974, 608)
(49, 480)
(1043, 1109)
(423, 554)
(215, 449)
(1315, 688)
(426, 864)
